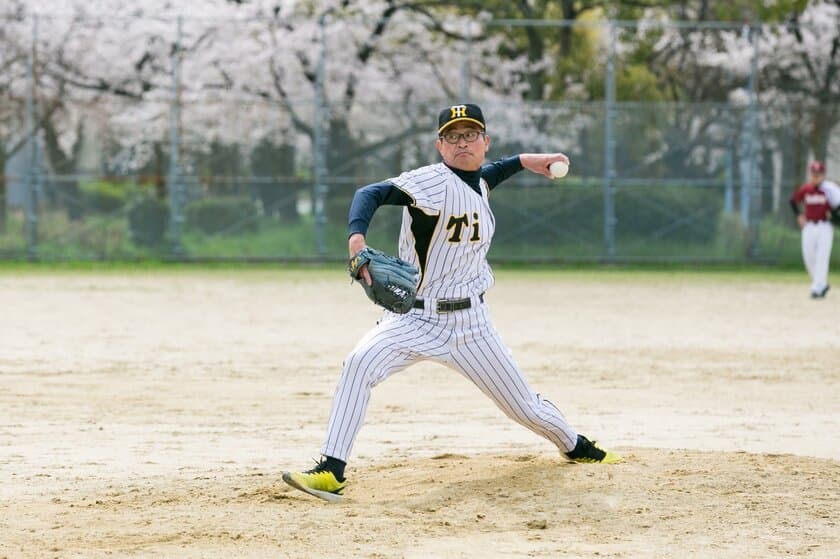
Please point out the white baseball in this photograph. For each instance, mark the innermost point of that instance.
(558, 169)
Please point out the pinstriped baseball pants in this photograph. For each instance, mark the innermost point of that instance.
(465, 341)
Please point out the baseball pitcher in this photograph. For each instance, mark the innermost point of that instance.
(434, 296)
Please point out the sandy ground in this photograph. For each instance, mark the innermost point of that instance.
(151, 415)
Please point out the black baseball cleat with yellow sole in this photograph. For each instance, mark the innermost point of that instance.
(319, 482)
(588, 452)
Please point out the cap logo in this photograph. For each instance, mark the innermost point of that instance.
(457, 111)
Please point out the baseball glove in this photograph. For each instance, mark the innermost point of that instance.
(835, 215)
(393, 281)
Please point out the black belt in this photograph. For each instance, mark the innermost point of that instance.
(449, 305)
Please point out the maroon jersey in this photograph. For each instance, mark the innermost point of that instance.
(817, 207)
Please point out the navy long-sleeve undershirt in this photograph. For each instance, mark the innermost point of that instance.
(368, 198)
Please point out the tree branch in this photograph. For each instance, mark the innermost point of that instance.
(366, 51)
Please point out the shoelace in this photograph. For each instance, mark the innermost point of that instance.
(590, 451)
(319, 467)
(600, 453)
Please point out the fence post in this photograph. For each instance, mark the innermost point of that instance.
(728, 194)
(750, 179)
(609, 148)
(174, 180)
(320, 145)
(31, 200)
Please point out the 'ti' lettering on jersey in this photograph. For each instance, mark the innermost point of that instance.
(458, 223)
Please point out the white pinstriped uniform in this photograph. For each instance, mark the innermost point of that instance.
(455, 267)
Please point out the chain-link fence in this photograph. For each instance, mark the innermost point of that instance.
(126, 138)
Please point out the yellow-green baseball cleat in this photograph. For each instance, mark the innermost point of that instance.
(319, 482)
(588, 452)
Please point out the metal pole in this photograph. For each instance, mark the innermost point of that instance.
(609, 149)
(755, 179)
(31, 203)
(747, 144)
(320, 145)
(749, 189)
(728, 194)
(174, 180)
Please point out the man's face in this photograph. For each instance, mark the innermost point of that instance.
(464, 155)
(816, 177)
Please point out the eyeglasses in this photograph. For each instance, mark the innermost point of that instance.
(454, 137)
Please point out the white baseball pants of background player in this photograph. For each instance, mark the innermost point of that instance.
(817, 239)
(463, 340)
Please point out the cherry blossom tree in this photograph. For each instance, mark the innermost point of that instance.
(769, 88)
(13, 57)
(800, 65)
(796, 64)
(366, 76)
(246, 70)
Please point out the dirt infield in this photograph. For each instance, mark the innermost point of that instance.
(151, 414)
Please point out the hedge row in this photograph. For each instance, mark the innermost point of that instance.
(685, 214)
(148, 218)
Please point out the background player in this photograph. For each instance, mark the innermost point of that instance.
(446, 232)
(818, 196)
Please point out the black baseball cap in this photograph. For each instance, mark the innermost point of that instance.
(460, 113)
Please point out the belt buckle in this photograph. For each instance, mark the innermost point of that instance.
(444, 306)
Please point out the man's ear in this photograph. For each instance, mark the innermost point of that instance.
(439, 146)
(486, 143)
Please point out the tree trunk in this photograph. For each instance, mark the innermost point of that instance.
(569, 13)
(157, 167)
(824, 120)
(70, 194)
(2, 189)
(273, 168)
(536, 51)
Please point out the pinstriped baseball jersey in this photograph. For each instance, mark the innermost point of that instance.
(446, 232)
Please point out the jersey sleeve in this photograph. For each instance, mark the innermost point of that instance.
(425, 186)
(832, 193)
(497, 171)
(798, 195)
(367, 199)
